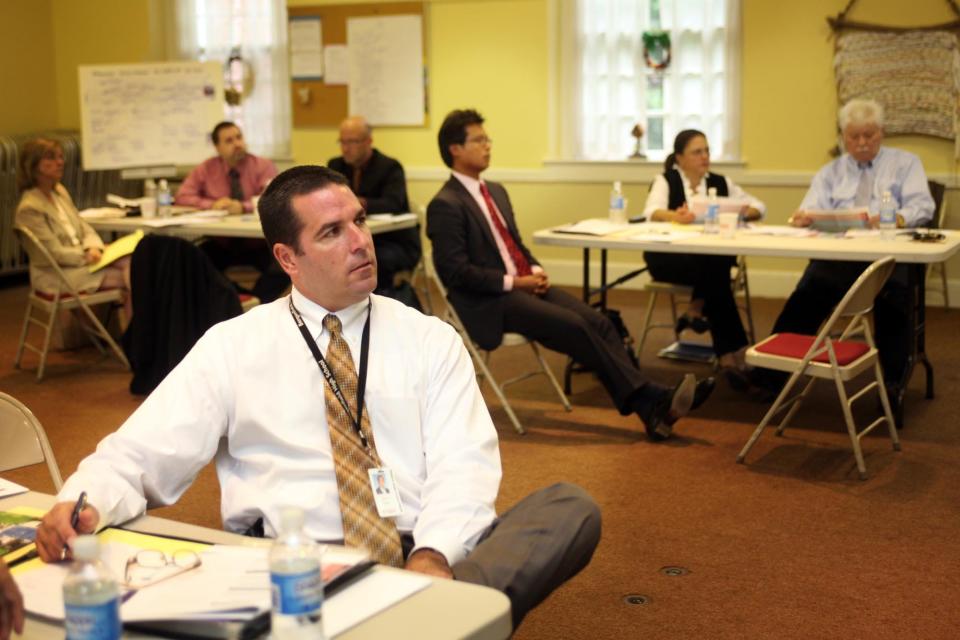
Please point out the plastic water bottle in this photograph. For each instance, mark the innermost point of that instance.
(164, 199)
(91, 597)
(618, 207)
(295, 582)
(711, 222)
(888, 216)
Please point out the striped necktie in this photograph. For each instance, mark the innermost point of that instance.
(362, 525)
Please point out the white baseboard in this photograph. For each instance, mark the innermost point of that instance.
(764, 283)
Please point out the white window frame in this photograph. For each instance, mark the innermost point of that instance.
(260, 28)
(568, 115)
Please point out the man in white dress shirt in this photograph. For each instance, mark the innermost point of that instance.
(251, 396)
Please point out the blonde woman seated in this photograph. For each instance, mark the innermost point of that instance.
(47, 210)
(712, 306)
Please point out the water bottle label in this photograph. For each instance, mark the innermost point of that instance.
(712, 211)
(296, 593)
(616, 202)
(93, 622)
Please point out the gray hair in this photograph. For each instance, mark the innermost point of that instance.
(860, 112)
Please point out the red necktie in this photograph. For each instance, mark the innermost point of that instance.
(519, 260)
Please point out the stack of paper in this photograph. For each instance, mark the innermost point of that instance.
(232, 583)
(592, 227)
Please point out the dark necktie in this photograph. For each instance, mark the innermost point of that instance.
(357, 176)
(519, 260)
(362, 525)
(236, 191)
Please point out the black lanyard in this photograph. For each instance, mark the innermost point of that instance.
(328, 374)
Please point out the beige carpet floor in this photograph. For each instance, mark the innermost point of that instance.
(791, 545)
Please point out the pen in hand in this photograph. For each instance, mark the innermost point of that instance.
(75, 516)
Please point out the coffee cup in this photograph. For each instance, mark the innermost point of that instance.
(728, 224)
(148, 207)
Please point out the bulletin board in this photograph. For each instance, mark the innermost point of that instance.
(326, 105)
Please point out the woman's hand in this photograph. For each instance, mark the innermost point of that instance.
(800, 219)
(92, 255)
(683, 215)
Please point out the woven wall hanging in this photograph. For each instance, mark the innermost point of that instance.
(914, 72)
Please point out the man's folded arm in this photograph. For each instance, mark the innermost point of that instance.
(447, 231)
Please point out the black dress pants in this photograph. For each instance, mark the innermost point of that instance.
(710, 278)
(823, 285)
(563, 323)
(396, 253)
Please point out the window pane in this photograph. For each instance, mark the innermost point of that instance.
(654, 93)
(655, 133)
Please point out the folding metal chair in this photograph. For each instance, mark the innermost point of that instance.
(937, 190)
(24, 440)
(838, 359)
(66, 297)
(481, 359)
(738, 282)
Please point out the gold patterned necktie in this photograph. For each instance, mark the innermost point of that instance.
(362, 525)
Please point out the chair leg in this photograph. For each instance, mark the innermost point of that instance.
(748, 307)
(100, 330)
(51, 324)
(481, 363)
(23, 334)
(647, 319)
(795, 407)
(673, 314)
(946, 288)
(885, 402)
(851, 426)
(549, 373)
(768, 417)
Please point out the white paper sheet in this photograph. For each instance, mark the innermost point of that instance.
(306, 48)
(336, 69)
(593, 227)
(230, 579)
(8, 488)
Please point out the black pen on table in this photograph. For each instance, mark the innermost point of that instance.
(75, 516)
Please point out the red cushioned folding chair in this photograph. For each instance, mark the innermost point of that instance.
(66, 297)
(840, 360)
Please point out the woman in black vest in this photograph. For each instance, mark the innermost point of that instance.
(712, 305)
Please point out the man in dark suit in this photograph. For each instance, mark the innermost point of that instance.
(497, 286)
(378, 182)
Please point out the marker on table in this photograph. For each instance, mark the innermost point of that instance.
(75, 516)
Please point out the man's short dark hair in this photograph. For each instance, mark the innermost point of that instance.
(454, 131)
(279, 221)
(215, 134)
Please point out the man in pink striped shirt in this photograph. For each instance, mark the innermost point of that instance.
(228, 181)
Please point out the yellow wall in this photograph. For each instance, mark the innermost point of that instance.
(27, 67)
(494, 55)
(95, 32)
(789, 94)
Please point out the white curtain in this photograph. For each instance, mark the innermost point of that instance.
(256, 30)
(608, 88)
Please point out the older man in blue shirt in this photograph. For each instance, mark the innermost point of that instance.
(859, 178)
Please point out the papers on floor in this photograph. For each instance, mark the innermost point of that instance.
(592, 227)
(231, 584)
(117, 249)
(8, 488)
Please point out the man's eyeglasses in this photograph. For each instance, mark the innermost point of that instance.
(350, 141)
(150, 566)
(482, 140)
